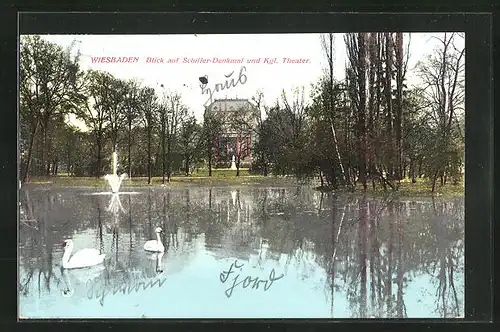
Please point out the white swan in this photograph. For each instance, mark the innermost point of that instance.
(155, 245)
(82, 258)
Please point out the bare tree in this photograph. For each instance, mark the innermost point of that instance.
(189, 141)
(327, 43)
(401, 68)
(148, 108)
(175, 112)
(131, 110)
(443, 76)
(357, 70)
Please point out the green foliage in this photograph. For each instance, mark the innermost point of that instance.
(350, 128)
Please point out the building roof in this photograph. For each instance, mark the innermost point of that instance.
(228, 105)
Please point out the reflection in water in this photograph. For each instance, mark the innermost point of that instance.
(345, 256)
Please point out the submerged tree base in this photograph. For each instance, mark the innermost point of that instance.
(422, 187)
(405, 188)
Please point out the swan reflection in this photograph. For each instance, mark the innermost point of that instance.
(358, 257)
(157, 257)
(79, 277)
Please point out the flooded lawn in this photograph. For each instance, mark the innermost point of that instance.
(241, 252)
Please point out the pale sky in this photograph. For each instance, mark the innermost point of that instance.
(183, 77)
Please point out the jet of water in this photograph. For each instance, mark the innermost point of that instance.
(113, 179)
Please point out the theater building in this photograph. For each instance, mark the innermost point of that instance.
(238, 135)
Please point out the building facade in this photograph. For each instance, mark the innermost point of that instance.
(238, 134)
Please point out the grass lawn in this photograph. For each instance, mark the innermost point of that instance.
(422, 188)
(226, 177)
(219, 177)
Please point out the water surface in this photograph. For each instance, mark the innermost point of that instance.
(331, 256)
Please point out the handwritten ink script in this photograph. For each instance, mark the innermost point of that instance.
(229, 83)
(98, 289)
(246, 282)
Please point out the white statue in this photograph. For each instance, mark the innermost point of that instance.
(233, 163)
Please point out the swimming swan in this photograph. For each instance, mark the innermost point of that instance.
(82, 258)
(155, 245)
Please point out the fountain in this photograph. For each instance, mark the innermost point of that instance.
(113, 179)
(233, 163)
(234, 196)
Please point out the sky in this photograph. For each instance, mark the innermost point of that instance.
(270, 78)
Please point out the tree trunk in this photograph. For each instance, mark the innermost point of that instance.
(186, 169)
(68, 166)
(30, 150)
(372, 103)
(362, 108)
(210, 166)
(163, 150)
(399, 103)
(434, 180)
(335, 142)
(149, 153)
(411, 174)
(44, 147)
(169, 171)
(388, 98)
(129, 149)
(98, 164)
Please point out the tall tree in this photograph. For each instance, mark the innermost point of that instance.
(189, 141)
(329, 51)
(47, 83)
(163, 109)
(389, 53)
(443, 76)
(211, 129)
(356, 52)
(116, 109)
(176, 111)
(131, 111)
(401, 67)
(94, 110)
(148, 108)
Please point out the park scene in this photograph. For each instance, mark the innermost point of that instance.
(264, 187)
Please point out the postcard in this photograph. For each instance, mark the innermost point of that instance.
(242, 175)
